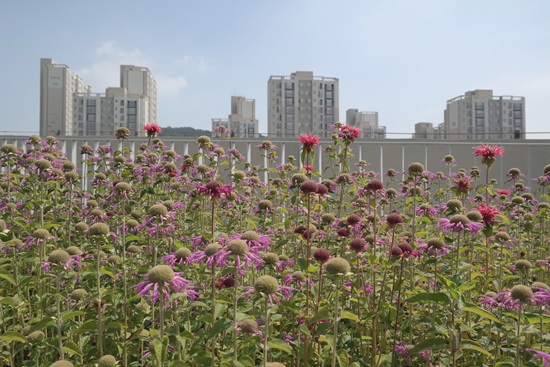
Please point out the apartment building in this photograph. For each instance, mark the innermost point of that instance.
(367, 122)
(302, 103)
(479, 115)
(242, 120)
(68, 107)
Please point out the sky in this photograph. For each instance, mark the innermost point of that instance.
(401, 58)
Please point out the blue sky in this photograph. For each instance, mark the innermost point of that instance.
(402, 58)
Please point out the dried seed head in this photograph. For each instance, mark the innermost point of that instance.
(183, 253)
(436, 243)
(518, 200)
(415, 168)
(374, 185)
(250, 236)
(133, 249)
(274, 364)
(270, 258)
(521, 293)
(239, 175)
(396, 251)
(97, 212)
(454, 204)
(43, 164)
(59, 257)
(161, 274)
(123, 187)
(35, 337)
(353, 219)
(249, 325)
(394, 219)
(459, 218)
(474, 216)
(502, 237)
(212, 249)
(99, 229)
(449, 158)
(204, 140)
(321, 255)
(328, 218)
(358, 244)
(73, 250)
(107, 361)
(308, 187)
(299, 276)
(523, 265)
(265, 204)
(41, 234)
(337, 265)
(78, 294)
(266, 284)
(158, 210)
(237, 247)
(62, 363)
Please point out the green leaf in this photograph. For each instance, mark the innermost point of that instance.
(349, 315)
(481, 312)
(446, 282)
(107, 272)
(42, 324)
(343, 358)
(67, 315)
(304, 329)
(13, 336)
(437, 297)
(324, 313)
(7, 277)
(71, 347)
(471, 345)
(161, 346)
(429, 344)
(281, 345)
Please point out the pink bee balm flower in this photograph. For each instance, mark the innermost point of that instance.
(488, 153)
(349, 132)
(309, 141)
(488, 212)
(152, 129)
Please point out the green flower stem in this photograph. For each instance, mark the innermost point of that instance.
(266, 336)
(335, 322)
(99, 313)
(59, 322)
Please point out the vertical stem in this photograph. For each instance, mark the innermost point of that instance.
(518, 341)
(266, 337)
(99, 306)
(336, 314)
(58, 301)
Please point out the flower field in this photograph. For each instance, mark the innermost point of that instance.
(170, 260)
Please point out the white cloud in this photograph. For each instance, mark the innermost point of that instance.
(198, 63)
(105, 72)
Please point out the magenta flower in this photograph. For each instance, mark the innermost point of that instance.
(152, 129)
(163, 279)
(459, 223)
(545, 357)
(488, 153)
(214, 189)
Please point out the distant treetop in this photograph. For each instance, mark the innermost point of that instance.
(183, 131)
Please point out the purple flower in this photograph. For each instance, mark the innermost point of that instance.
(542, 355)
(177, 284)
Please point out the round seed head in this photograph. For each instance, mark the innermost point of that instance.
(474, 216)
(321, 255)
(133, 249)
(375, 185)
(308, 187)
(249, 326)
(459, 218)
(353, 219)
(394, 219)
(250, 236)
(78, 294)
(41, 234)
(547, 168)
(183, 253)
(114, 259)
(405, 247)
(449, 158)
(2, 225)
(416, 191)
(358, 244)
(203, 168)
(239, 175)
(97, 212)
(415, 168)
(274, 364)
(523, 265)
(299, 276)
(161, 274)
(337, 265)
(203, 140)
(527, 196)
(43, 164)
(454, 205)
(73, 250)
(237, 247)
(396, 251)
(158, 210)
(538, 286)
(391, 193)
(35, 337)
(212, 249)
(107, 361)
(62, 363)
(514, 171)
(99, 229)
(81, 227)
(266, 284)
(132, 223)
(270, 258)
(59, 257)
(436, 243)
(8, 148)
(517, 200)
(328, 218)
(123, 187)
(521, 293)
(265, 204)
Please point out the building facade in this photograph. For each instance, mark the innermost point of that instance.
(302, 103)
(479, 115)
(367, 122)
(69, 108)
(426, 130)
(242, 121)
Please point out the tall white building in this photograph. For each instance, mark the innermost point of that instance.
(58, 84)
(479, 115)
(242, 121)
(367, 122)
(68, 106)
(302, 103)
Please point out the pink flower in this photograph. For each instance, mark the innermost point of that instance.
(349, 133)
(214, 189)
(488, 153)
(152, 129)
(488, 212)
(309, 141)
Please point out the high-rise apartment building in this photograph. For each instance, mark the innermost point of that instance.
(302, 103)
(242, 121)
(479, 115)
(68, 106)
(367, 122)
(58, 84)
(426, 130)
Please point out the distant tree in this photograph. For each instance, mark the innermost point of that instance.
(183, 131)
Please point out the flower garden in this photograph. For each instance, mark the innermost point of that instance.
(169, 260)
